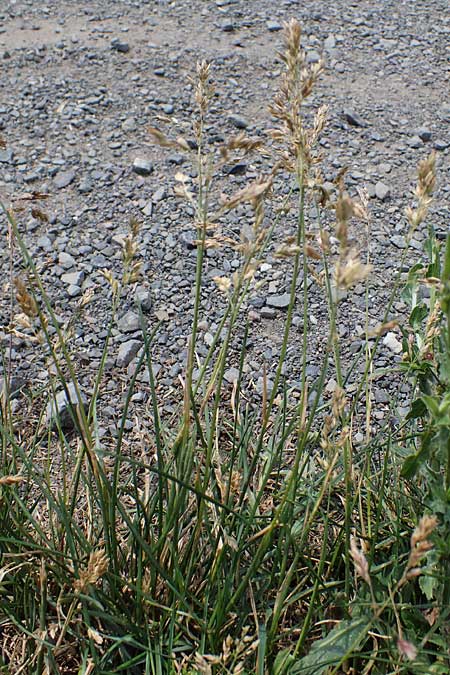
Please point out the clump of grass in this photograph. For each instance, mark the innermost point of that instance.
(233, 543)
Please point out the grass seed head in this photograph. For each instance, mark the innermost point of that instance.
(90, 575)
(26, 301)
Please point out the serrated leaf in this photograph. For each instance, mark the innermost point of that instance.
(330, 651)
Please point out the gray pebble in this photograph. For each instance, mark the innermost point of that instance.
(143, 167)
(398, 240)
(415, 142)
(231, 375)
(129, 322)
(238, 121)
(278, 301)
(127, 352)
(382, 191)
(274, 26)
(120, 46)
(64, 407)
(424, 134)
(354, 119)
(129, 124)
(73, 278)
(268, 313)
(144, 299)
(159, 195)
(64, 178)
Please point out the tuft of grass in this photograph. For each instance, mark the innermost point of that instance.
(240, 539)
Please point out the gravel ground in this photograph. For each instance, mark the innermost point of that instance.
(81, 81)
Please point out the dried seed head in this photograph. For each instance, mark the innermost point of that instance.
(26, 301)
(407, 649)
(350, 271)
(426, 177)
(204, 90)
(11, 480)
(360, 561)
(420, 545)
(96, 568)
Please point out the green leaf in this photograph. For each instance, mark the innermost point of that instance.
(283, 662)
(428, 585)
(330, 651)
(432, 404)
(418, 316)
(418, 409)
(411, 466)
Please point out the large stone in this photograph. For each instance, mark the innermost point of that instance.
(127, 352)
(382, 191)
(278, 301)
(129, 322)
(64, 407)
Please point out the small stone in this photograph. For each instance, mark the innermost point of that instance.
(143, 298)
(64, 178)
(168, 108)
(85, 186)
(119, 46)
(66, 260)
(312, 56)
(398, 240)
(15, 385)
(238, 169)
(148, 209)
(231, 375)
(159, 195)
(129, 124)
(424, 134)
(415, 142)
(274, 26)
(188, 239)
(278, 301)
(329, 43)
(74, 291)
(227, 26)
(129, 322)
(440, 144)
(354, 119)
(143, 167)
(73, 278)
(264, 385)
(382, 191)
(64, 407)
(267, 313)
(44, 242)
(331, 386)
(162, 315)
(391, 342)
(127, 352)
(238, 121)
(6, 156)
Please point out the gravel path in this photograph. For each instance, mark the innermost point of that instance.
(80, 82)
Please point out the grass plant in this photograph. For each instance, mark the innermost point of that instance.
(242, 540)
